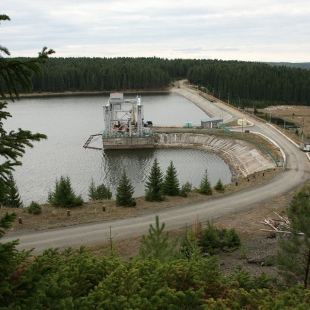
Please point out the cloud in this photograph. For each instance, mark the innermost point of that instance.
(263, 30)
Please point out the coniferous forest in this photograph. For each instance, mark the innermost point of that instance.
(235, 81)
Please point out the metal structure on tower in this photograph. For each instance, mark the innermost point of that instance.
(124, 117)
(124, 126)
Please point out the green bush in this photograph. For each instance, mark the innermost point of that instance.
(186, 188)
(34, 208)
(219, 186)
(103, 192)
(63, 195)
(270, 261)
(230, 240)
(210, 241)
(98, 192)
(244, 252)
(213, 239)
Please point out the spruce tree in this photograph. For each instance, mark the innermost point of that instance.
(63, 195)
(219, 186)
(92, 190)
(124, 192)
(8, 259)
(205, 185)
(171, 185)
(189, 247)
(157, 244)
(15, 75)
(154, 184)
(12, 198)
(293, 257)
(210, 241)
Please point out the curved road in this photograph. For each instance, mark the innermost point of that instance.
(296, 174)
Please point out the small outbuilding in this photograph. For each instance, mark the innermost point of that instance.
(211, 122)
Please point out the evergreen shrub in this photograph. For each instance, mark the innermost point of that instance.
(63, 195)
(154, 184)
(12, 198)
(124, 192)
(34, 208)
(171, 185)
(219, 186)
(205, 185)
(186, 188)
(213, 240)
(99, 192)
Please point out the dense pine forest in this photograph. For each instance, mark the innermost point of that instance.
(236, 81)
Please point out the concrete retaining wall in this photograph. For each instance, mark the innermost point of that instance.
(241, 156)
(128, 142)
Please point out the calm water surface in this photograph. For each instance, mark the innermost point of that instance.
(69, 121)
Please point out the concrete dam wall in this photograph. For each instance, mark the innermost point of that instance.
(243, 157)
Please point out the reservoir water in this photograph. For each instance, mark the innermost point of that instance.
(69, 121)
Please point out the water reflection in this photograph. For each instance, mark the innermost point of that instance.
(136, 164)
(190, 165)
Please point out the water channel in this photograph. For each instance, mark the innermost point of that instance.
(69, 121)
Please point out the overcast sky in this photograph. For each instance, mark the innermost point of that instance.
(254, 30)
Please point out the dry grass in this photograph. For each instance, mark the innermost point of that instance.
(275, 151)
(299, 115)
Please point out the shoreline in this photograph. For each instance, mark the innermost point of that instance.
(89, 93)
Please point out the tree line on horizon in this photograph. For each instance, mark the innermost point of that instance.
(239, 82)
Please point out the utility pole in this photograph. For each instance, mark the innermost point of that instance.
(302, 131)
(302, 128)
